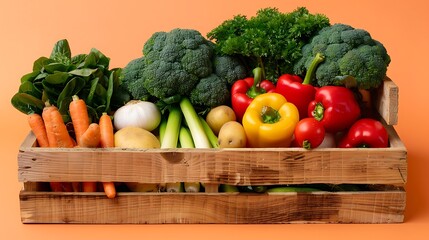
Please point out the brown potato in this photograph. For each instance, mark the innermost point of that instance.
(232, 135)
(218, 116)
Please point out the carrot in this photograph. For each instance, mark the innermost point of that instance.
(79, 115)
(56, 130)
(80, 119)
(38, 128)
(58, 136)
(91, 137)
(107, 141)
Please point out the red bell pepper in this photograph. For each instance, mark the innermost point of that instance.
(365, 132)
(245, 90)
(297, 91)
(336, 107)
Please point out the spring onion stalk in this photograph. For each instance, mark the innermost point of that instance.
(210, 134)
(174, 187)
(195, 126)
(161, 129)
(171, 136)
(185, 138)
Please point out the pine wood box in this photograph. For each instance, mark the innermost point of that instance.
(385, 170)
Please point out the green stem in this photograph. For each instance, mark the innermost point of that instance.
(318, 112)
(255, 90)
(309, 75)
(269, 115)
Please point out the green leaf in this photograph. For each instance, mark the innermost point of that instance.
(72, 88)
(50, 91)
(41, 76)
(40, 63)
(100, 95)
(90, 61)
(61, 49)
(29, 88)
(83, 72)
(109, 91)
(101, 58)
(94, 83)
(55, 67)
(57, 78)
(27, 104)
(78, 59)
(63, 107)
(29, 77)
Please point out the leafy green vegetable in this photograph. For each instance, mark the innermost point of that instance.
(271, 40)
(57, 78)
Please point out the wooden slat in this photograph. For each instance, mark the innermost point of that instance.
(244, 166)
(157, 208)
(386, 102)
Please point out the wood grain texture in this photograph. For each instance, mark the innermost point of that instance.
(387, 100)
(158, 208)
(245, 166)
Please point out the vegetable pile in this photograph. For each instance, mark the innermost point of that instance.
(273, 80)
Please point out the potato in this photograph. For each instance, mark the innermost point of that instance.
(218, 116)
(232, 135)
(135, 137)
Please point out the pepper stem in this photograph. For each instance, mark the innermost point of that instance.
(318, 112)
(255, 90)
(309, 75)
(269, 115)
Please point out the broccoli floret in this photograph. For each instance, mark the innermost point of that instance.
(211, 91)
(132, 79)
(229, 68)
(348, 52)
(181, 63)
(175, 61)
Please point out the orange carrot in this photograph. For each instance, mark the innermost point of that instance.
(107, 141)
(91, 137)
(80, 119)
(79, 115)
(38, 128)
(58, 136)
(56, 129)
(106, 131)
(56, 186)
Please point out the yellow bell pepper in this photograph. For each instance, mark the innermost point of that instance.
(269, 121)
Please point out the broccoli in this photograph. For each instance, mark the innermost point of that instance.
(229, 68)
(175, 62)
(211, 91)
(348, 52)
(132, 79)
(181, 63)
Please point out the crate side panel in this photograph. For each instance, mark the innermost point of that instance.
(358, 207)
(240, 167)
(386, 102)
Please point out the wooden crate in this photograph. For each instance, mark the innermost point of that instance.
(384, 170)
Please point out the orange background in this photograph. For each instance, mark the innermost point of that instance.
(119, 28)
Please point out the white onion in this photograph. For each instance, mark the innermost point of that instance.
(137, 113)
